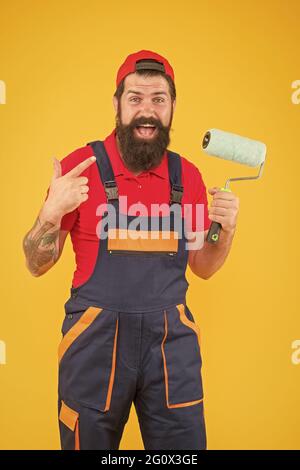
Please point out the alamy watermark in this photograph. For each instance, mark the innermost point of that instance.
(296, 94)
(296, 353)
(188, 222)
(2, 352)
(2, 92)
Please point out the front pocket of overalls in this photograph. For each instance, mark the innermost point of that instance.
(182, 361)
(69, 427)
(142, 243)
(87, 359)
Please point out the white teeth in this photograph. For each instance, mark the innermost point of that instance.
(146, 125)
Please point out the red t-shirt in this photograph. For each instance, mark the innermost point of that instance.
(149, 187)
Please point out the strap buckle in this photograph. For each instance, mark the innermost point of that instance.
(111, 190)
(176, 193)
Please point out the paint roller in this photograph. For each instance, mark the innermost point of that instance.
(238, 149)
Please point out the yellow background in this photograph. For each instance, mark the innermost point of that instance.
(234, 64)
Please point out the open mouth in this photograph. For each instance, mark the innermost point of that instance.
(146, 131)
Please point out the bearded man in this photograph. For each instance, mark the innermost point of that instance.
(128, 334)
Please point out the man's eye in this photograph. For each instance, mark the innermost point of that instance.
(157, 100)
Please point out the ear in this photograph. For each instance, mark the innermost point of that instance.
(174, 105)
(115, 103)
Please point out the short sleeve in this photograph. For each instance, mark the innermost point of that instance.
(200, 220)
(195, 206)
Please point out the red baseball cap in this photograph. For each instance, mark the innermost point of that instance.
(144, 60)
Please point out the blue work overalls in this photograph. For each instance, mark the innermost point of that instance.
(128, 336)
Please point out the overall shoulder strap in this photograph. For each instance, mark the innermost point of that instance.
(105, 170)
(174, 165)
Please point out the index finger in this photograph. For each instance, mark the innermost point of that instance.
(225, 195)
(77, 170)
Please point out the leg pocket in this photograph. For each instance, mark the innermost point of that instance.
(187, 318)
(181, 359)
(69, 427)
(76, 329)
(87, 359)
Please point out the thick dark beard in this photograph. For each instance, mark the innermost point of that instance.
(139, 154)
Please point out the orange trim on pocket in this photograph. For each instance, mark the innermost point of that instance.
(164, 359)
(184, 319)
(113, 368)
(141, 240)
(70, 418)
(77, 440)
(177, 405)
(83, 323)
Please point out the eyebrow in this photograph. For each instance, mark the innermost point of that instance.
(140, 93)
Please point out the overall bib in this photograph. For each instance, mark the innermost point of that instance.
(128, 335)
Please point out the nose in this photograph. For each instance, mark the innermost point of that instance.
(147, 108)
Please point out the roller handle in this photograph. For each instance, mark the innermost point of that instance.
(215, 228)
(214, 232)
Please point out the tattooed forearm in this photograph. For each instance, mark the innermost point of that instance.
(41, 246)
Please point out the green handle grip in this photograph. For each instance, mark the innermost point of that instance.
(214, 232)
(215, 227)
